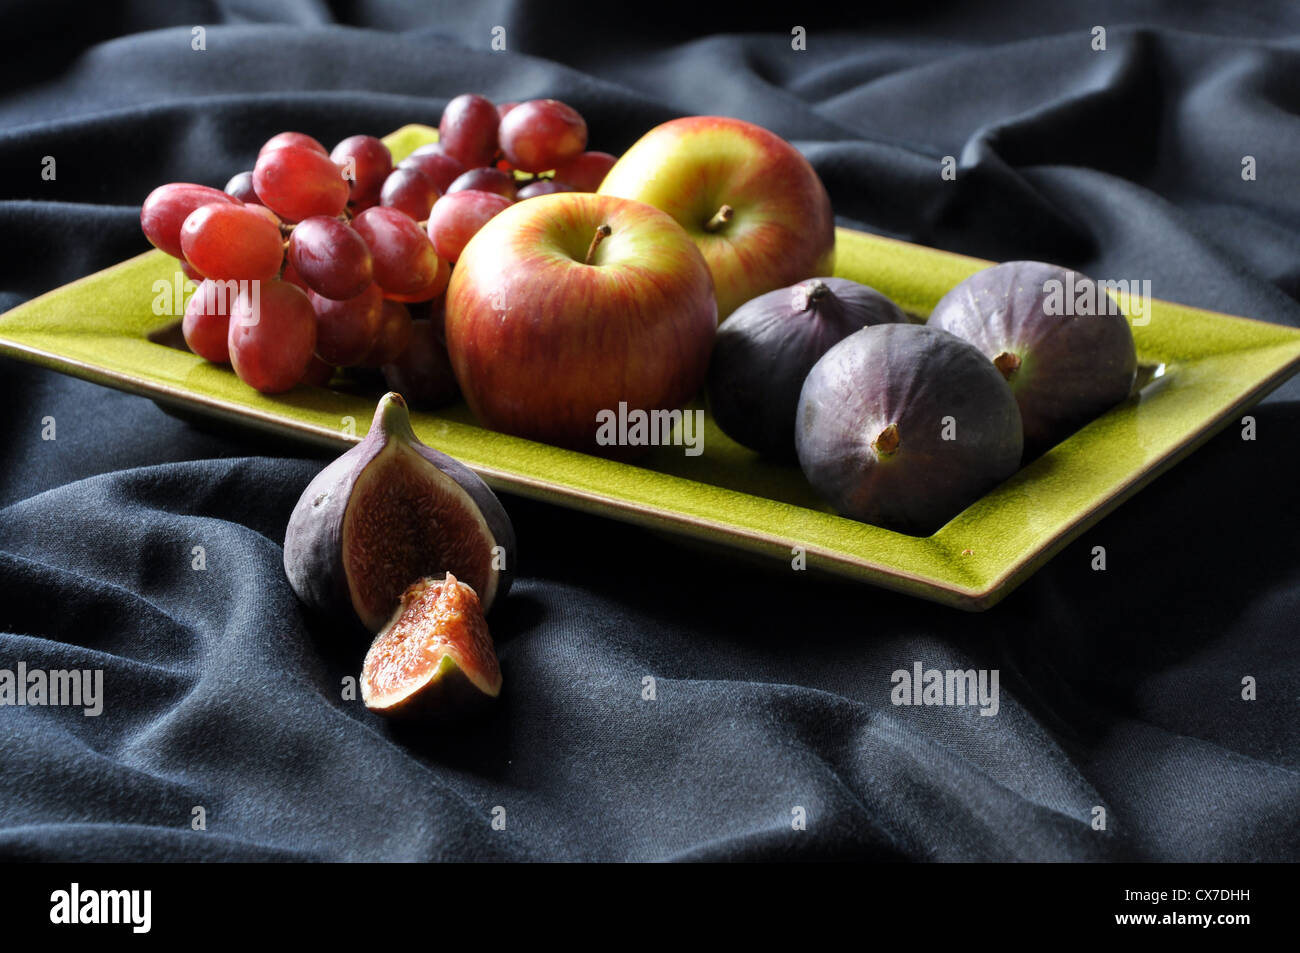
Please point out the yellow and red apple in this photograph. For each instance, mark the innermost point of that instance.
(569, 304)
(750, 201)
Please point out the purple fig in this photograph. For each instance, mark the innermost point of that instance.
(1060, 341)
(904, 426)
(387, 513)
(766, 348)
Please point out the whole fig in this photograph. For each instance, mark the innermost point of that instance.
(387, 513)
(1059, 340)
(904, 426)
(766, 348)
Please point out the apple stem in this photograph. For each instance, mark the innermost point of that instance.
(601, 234)
(1007, 363)
(721, 217)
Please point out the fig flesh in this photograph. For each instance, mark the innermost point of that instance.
(390, 511)
(434, 660)
(904, 426)
(1060, 341)
(766, 348)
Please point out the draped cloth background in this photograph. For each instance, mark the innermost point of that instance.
(1119, 689)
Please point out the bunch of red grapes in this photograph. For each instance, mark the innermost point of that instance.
(308, 262)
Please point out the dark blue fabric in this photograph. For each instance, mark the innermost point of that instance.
(1119, 689)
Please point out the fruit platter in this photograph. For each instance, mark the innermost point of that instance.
(678, 337)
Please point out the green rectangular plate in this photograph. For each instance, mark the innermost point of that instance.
(104, 328)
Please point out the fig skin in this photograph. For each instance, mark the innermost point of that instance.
(1065, 369)
(766, 348)
(459, 632)
(870, 425)
(313, 545)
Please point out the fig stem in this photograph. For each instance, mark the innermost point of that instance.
(1007, 363)
(721, 217)
(601, 234)
(394, 416)
(811, 292)
(887, 442)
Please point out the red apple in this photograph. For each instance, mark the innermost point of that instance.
(566, 305)
(748, 198)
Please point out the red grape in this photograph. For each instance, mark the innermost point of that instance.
(168, 206)
(330, 257)
(267, 214)
(409, 191)
(298, 183)
(359, 202)
(587, 171)
(457, 216)
(346, 330)
(435, 286)
(232, 242)
(299, 140)
(207, 322)
(318, 373)
(190, 271)
(272, 336)
(393, 336)
(468, 130)
(503, 108)
(404, 260)
(369, 161)
(241, 187)
(542, 134)
(434, 164)
(486, 180)
(542, 187)
(290, 275)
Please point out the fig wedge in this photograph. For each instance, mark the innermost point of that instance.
(434, 660)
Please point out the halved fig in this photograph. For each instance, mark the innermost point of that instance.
(434, 659)
(391, 511)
